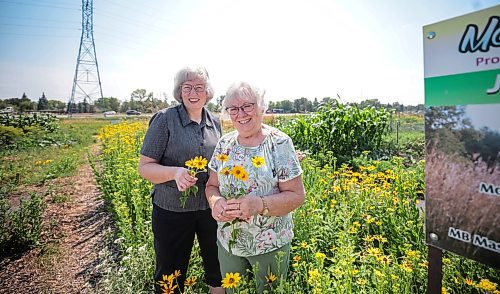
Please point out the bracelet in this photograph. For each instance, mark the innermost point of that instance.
(265, 209)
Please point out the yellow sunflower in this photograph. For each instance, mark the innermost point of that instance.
(244, 176)
(237, 171)
(200, 162)
(222, 157)
(258, 161)
(231, 280)
(225, 171)
(190, 163)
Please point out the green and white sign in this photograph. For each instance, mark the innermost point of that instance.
(462, 59)
(462, 132)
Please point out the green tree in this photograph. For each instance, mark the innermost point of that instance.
(107, 103)
(43, 103)
(141, 100)
(57, 105)
(287, 106)
(25, 104)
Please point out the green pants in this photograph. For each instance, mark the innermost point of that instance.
(265, 263)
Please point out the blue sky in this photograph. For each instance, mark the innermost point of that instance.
(355, 49)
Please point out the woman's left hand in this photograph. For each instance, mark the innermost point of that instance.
(244, 207)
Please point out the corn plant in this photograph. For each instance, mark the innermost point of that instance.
(340, 130)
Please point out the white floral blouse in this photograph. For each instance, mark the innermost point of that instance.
(274, 160)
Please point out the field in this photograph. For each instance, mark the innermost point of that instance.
(360, 230)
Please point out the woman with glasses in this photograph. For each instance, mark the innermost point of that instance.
(176, 135)
(255, 183)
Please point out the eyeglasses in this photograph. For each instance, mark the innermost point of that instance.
(247, 108)
(186, 88)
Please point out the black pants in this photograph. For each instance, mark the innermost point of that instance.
(173, 240)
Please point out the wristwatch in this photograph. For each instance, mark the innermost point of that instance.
(265, 209)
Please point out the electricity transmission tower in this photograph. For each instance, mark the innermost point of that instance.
(87, 82)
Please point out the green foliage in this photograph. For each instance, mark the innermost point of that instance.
(107, 103)
(360, 229)
(46, 122)
(4, 226)
(21, 227)
(342, 130)
(64, 167)
(36, 130)
(19, 104)
(43, 103)
(9, 135)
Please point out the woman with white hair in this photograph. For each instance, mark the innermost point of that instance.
(176, 135)
(255, 183)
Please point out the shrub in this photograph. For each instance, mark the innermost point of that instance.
(21, 228)
(9, 134)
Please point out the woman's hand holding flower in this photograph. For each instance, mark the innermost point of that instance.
(220, 211)
(184, 179)
(244, 207)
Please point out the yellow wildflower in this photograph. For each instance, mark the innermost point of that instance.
(190, 281)
(222, 157)
(320, 256)
(238, 171)
(200, 162)
(231, 280)
(270, 278)
(469, 281)
(189, 163)
(225, 171)
(313, 276)
(244, 176)
(487, 285)
(258, 161)
(374, 251)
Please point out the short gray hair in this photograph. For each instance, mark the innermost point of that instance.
(189, 73)
(246, 92)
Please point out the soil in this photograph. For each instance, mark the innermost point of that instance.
(75, 230)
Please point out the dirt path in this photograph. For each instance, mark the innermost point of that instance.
(75, 227)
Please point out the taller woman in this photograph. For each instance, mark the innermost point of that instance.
(175, 135)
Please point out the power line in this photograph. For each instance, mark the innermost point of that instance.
(37, 5)
(39, 19)
(37, 35)
(38, 26)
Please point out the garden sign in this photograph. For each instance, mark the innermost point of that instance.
(462, 126)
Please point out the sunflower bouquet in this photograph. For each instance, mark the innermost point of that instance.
(195, 166)
(235, 187)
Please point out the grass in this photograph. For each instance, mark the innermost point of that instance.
(32, 168)
(19, 168)
(407, 128)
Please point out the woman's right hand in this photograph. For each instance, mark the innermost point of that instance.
(184, 179)
(219, 211)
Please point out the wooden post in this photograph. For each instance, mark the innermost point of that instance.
(435, 271)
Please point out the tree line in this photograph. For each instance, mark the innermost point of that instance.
(144, 101)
